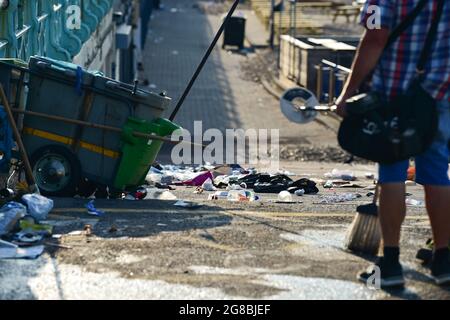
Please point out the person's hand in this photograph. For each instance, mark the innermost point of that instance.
(341, 106)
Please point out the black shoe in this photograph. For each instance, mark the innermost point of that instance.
(425, 255)
(440, 270)
(391, 273)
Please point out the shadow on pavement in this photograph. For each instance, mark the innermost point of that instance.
(125, 218)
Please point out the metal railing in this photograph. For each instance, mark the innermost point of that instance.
(330, 80)
(42, 27)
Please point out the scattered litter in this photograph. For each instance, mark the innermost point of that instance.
(76, 233)
(92, 210)
(198, 190)
(271, 184)
(306, 184)
(10, 250)
(164, 186)
(221, 181)
(336, 198)
(218, 195)
(27, 237)
(140, 193)
(284, 196)
(187, 204)
(235, 187)
(340, 174)
(414, 202)
(167, 195)
(241, 195)
(299, 192)
(208, 185)
(328, 184)
(128, 197)
(10, 214)
(157, 194)
(199, 179)
(42, 229)
(38, 206)
(88, 230)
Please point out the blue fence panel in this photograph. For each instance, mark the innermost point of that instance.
(43, 27)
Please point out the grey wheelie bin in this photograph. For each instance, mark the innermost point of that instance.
(62, 153)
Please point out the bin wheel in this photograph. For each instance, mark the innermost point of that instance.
(56, 169)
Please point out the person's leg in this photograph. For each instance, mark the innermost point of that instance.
(438, 207)
(432, 172)
(392, 201)
(392, 212)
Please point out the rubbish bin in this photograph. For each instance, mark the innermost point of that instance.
(138, 153)
(234, 33)
(62, 152)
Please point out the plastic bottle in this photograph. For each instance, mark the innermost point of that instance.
(241, 195)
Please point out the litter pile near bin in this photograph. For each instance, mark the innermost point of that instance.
(21, 233)
(234, 183)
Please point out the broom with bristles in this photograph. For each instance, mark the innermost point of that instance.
(364, 234)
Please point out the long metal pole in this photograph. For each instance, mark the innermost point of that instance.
(272, 24)
(98, 126)
(205, 58)
(23, 153)
(280, 30)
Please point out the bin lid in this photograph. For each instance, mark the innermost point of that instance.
(111, 87)
(47, 67)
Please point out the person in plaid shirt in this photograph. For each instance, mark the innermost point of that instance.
(393, 71)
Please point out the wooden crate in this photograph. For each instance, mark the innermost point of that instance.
(298, 57)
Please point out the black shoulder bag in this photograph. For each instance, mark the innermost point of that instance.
(390, 131)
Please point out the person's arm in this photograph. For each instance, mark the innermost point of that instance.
(366, 58)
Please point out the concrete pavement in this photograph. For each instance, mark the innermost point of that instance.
(222, 250)
(153, 250)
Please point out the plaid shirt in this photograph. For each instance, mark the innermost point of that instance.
(397, 66)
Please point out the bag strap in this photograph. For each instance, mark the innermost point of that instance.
(406, 23)
(431, 36)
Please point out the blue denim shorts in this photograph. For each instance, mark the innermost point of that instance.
(431, 166)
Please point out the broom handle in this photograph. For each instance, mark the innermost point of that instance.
(205, 58)
(23, 153)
